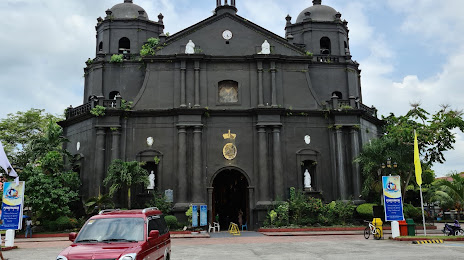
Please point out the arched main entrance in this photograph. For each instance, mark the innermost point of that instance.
(230, 196)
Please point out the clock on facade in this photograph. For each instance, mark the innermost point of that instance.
(227, 35)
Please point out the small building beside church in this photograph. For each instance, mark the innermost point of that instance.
(224, 113)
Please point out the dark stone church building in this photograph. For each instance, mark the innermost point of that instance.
(225, 113)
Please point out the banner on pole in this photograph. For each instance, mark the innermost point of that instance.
(194, 216)
(12, 205)
(393, 202)
(203, 215)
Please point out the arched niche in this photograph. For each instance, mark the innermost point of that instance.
(326, 46)
(308, 159)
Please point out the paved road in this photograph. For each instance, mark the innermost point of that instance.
(256, 246)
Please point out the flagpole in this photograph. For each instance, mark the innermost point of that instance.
(422, 205)
(418, 170)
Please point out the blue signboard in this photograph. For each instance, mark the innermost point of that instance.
(12, 205)
(194, 216)
(203, 215)
(393, 202)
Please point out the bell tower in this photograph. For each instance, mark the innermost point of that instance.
(224, 6)
(320, 30)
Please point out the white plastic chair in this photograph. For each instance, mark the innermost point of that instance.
(211, 227)
(216, 226)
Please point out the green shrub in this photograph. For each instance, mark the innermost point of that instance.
(63, 223)
(412, 212)
(282, 214)
(159, 201)
(366, 210)
(171, 221)
(98, 110)
(189, 214)
(337, 213)
(148, 49)
(50, 225)
(304, 210)
(272, 216)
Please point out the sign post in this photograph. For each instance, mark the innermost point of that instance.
(12, 210)
(194, 216)
(393, 202)
(203, 215)
(12, 205)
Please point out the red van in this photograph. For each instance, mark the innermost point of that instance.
(121, 235)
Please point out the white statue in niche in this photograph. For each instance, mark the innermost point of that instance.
(307, 179)
(265, 48)
(190, 47)
(151, 178)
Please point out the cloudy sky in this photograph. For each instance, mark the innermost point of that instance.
(410, 50)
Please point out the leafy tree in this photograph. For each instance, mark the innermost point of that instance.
(49, 188)
(434, 134)
(35, 141)
(122, 175)
(17, 130)
(451, 192)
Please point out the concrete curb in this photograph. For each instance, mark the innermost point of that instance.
(424, 239)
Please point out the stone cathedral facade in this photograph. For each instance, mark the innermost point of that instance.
(224, 113)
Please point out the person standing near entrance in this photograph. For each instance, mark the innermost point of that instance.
(240, 218)
(28, 227)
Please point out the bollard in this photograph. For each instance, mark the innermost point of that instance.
(9, 238)
(395, 228)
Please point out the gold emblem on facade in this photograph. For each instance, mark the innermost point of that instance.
(230, 150)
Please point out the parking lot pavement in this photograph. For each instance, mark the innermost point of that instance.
(253, 245)
(309, 247)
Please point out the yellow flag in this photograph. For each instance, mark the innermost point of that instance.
(417, 162)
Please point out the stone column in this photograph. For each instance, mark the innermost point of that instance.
(197, 169)
(341, 165)
(182, 165)
(263, 172)
(210, 204)
(356, 170)
(273, 84)
(183, 71)
(99, 160)
(260, 85)
(277, 160)
(115, 144)
(251, 199)
(197, 84)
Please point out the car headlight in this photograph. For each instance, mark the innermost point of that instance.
(60, 257)
(128, 257)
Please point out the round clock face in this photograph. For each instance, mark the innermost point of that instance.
(227, 35)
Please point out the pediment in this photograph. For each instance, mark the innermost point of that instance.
(247, 39)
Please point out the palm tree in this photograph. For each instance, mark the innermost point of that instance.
(122, 175)
(102, 201)
(451, 191)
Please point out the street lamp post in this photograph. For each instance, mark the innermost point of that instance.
(388, 165)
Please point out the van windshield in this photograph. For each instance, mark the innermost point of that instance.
(110, 230)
